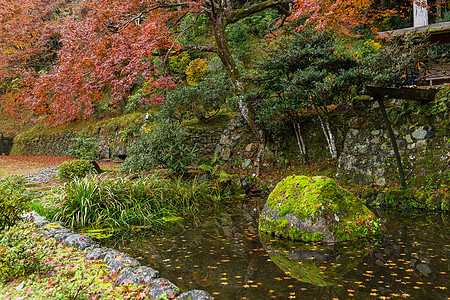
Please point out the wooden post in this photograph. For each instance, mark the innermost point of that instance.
(257, 166)
(393, 141)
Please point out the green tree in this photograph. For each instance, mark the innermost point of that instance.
(306, 71)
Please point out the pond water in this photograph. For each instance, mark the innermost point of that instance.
(229, 259)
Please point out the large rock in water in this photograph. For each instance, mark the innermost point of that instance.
(316, 209)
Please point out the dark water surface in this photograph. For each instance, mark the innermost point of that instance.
(229, 259)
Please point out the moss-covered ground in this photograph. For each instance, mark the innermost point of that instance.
(35, 267)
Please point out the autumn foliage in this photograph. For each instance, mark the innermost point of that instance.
(75, 58)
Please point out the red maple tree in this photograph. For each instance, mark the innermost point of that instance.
(77, 56)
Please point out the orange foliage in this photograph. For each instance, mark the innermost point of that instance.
(76, 56)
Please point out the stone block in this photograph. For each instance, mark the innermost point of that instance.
(226, 153)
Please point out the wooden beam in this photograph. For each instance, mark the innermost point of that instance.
(409, 93)
(432, 28)
(398, 158)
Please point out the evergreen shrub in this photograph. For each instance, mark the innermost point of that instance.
(163, 145)
(79, 168)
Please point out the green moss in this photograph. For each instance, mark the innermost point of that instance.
(311, 198)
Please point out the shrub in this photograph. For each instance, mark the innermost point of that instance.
(20, 256)
(202, 99)
(164, 145)
(79, 168)
(83, 147)
(13, 200)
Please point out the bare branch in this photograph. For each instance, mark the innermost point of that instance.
(275, 28)
(238, 14)
(187, 48)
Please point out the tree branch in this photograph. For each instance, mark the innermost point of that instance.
(187, 48)
(238, 14)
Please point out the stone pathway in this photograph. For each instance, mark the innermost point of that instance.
(43, 176)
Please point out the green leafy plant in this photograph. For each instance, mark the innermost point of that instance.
(79, 168)
(83, 147)
(165, 145)
(202, 99)
(19, 256)
(395, 63)
(13, 200)
(150, 201)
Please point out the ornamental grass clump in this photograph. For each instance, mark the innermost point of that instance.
(150, 201)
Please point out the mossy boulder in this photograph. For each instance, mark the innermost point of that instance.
(316, 209)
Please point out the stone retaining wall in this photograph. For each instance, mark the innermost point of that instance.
(129, 270)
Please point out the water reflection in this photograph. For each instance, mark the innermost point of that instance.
(225, 258)
(319, 264)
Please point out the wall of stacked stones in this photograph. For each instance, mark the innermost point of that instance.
(366, 155)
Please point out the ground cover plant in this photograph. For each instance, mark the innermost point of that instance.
(14, 200)
(33, 266)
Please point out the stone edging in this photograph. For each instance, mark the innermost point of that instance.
(129, 269)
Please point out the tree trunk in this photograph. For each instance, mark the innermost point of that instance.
(300, 142)
(325, 124)
(224, 53)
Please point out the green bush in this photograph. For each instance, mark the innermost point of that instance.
(79, 168)
(164, 145)
(83, 147)
(202, 100)
(20, 255)
(13, 200)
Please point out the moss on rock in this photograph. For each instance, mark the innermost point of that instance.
(316, 209)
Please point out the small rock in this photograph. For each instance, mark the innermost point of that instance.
(226, 154)
(246, 163)
(60, 237)
(78, 241)
(142, 275)
(195, 295)
(408, 139)
(424, 269)
(116, 261)
(98, 253)
(162, 288)
(40, 221)
(380, 181)
(224, 139)
(419, 133)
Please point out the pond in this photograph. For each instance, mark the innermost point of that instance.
(229, 259)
